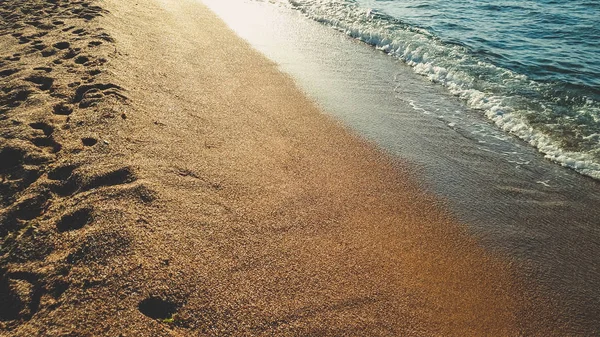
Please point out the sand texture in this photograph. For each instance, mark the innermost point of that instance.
(161, 178)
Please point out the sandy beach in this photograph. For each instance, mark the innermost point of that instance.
(159, 177)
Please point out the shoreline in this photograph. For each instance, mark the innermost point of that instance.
(514, 201)
(217, 190)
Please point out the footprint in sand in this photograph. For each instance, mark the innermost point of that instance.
(47, 143)
(71, 53)
(100, 246)
(39, 46)
(15, 96)
(48, 52)
(20, 295)
(82, 59)
(44, 83)
(46, 128)
(61, 45)
(69, 183)
(8, 72)
(19, 169)
(62, 109)
(90, 94)
(80, 32)
(75, 220)
(44, 69)
(106, 37)
(23, 210)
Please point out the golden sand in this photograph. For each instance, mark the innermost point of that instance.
(175, 183)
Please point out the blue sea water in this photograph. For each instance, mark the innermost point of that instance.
(550, 41)
(532, 67)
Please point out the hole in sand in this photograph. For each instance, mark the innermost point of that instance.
(61, 45)
(75, 220)
(157, 308)
(89, 141)
(81, 59)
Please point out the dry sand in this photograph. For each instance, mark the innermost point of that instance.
(161, 178)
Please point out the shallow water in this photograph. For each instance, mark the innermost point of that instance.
(514, 200)
(532, 67)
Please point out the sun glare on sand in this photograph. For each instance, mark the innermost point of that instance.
(238, 14)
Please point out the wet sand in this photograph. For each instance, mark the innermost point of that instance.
(510, 197)
(174, 182)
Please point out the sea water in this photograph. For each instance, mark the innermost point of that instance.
(532, 67)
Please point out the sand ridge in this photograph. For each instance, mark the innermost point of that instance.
(196, 191)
